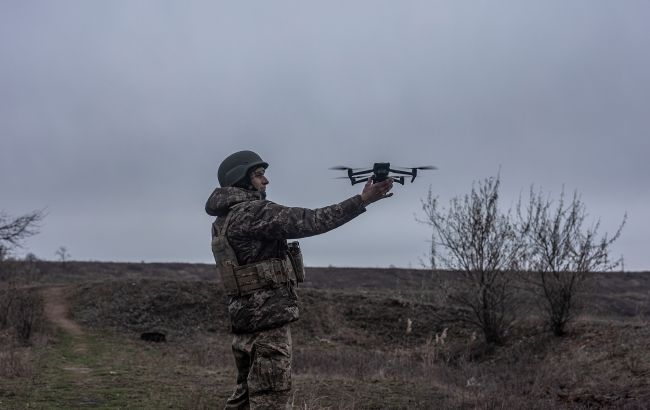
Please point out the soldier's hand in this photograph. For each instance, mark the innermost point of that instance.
(373, 192)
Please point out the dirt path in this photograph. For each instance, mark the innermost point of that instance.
(56, 311)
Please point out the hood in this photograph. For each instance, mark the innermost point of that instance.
(222, 199)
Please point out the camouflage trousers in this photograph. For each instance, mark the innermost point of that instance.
(263, 361)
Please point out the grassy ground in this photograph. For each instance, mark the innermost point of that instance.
(352, 351)
(117, 372)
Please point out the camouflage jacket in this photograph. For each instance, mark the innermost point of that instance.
(258, 231)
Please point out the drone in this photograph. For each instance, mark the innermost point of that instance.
(380, 172)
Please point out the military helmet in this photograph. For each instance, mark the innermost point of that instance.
(236, 166)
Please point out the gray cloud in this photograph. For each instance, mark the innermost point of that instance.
(116, 115)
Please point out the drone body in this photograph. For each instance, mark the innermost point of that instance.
(380, 172)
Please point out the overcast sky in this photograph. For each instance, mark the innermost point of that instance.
(114, 115)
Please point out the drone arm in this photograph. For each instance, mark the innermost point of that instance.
(359, 172)
(397, 171)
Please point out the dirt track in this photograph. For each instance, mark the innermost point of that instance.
(56, 311)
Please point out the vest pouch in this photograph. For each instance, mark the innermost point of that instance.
(223, 257)
(295, 256)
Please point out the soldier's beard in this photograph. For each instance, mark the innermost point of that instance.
(262, 193)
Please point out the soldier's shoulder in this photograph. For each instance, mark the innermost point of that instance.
(252, 208)
(254, 204)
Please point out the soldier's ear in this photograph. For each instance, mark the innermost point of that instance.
(244, 183)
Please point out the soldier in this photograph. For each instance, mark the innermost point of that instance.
(260, 271)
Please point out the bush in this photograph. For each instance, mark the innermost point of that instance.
(483, 246)
(562, 254)
(548, 243)
(21, 312)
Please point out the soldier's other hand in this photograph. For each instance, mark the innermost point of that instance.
(373, 192)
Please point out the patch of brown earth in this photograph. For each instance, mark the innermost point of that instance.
(56, 311)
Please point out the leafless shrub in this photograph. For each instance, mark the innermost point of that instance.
(483, 246)
(21, 311)
(562, 253)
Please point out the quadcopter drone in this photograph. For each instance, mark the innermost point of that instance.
(380, 172)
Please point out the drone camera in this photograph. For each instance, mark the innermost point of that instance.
(381, 171)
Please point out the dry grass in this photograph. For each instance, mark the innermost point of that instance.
(23, 337)
(21, 312)
(21, 317)
(352, 351)
(15, 362)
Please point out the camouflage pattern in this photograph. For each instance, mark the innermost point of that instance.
(264, 309)
(263, 361)
(258, 231)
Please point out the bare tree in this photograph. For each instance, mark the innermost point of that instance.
(63, 254)
(562, 253)
(14, 230)
(483, 246)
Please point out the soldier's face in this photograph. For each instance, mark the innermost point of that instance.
(258, 179)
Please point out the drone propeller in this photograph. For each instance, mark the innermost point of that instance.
(425, 167)
(343, 168)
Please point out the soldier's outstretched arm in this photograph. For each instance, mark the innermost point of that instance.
(274, 221)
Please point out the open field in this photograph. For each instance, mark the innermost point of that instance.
(352, 347)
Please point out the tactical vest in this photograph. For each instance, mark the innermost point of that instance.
(246, 279)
